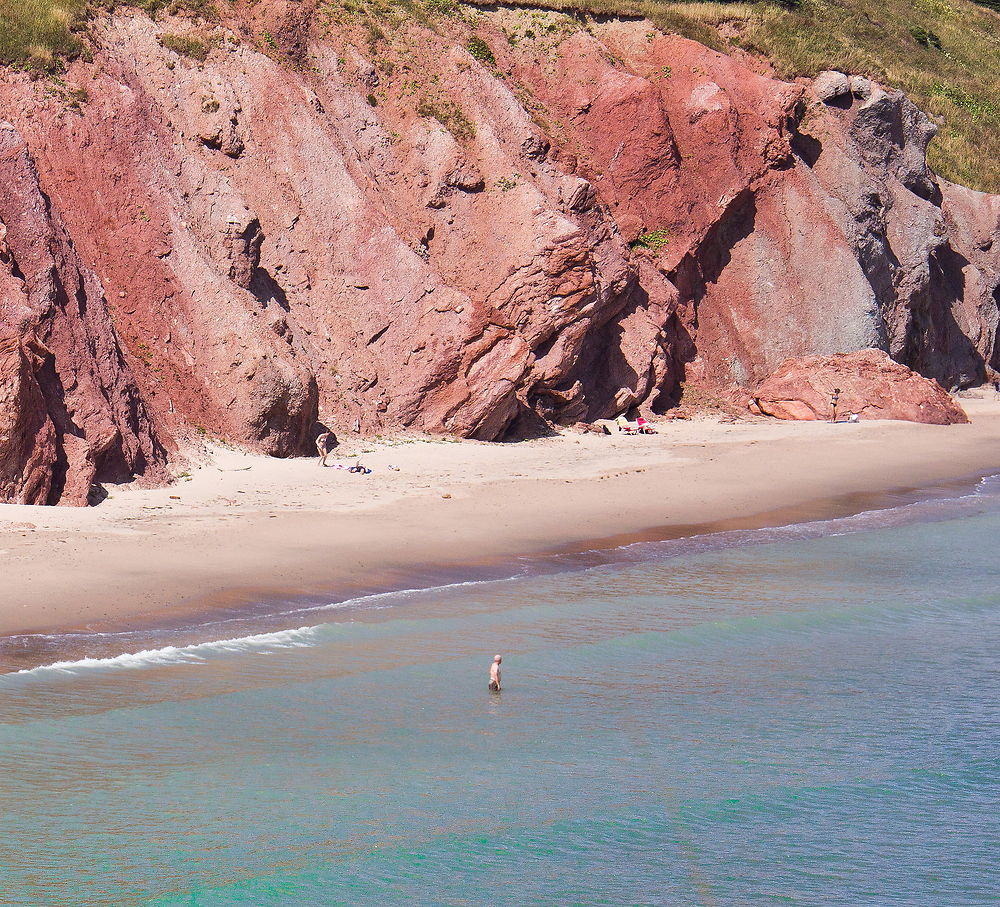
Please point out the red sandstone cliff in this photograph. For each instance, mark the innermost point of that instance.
(385, 230)
(867, 383)
(70, 411)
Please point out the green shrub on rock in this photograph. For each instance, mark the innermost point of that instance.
(481, 51)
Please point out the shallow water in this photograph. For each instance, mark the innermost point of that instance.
(797, 716)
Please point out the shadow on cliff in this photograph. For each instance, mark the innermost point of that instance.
(611, 381)
(995, 358)
(110, 462)
(698, 270)
(527, 424)
(266, 289)
(704, 265)
(935, 344)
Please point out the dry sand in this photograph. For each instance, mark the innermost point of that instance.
(242, 527)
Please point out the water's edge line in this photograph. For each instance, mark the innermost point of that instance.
(580, 558)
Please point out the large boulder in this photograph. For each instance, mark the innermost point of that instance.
(869, 383)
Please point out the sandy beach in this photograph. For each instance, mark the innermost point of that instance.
(237, 528)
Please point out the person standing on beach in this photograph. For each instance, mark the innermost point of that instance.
(321, 449)
(834, 400)
(495, 674)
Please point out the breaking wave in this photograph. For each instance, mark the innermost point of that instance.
(197, 653)
(931, 509)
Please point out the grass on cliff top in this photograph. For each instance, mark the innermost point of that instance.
(39, 34)
(945, 54)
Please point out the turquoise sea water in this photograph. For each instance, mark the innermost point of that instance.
(806, 716)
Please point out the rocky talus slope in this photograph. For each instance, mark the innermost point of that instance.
(388, 232)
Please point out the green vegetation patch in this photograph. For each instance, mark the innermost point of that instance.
(40, 34)
(379, 16)
(927, 38)
(449, 115)
(481, 51)
(654, 240)
(37, 33)
(945, 54)
(187, 46)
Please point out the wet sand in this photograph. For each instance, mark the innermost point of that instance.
(239, 528)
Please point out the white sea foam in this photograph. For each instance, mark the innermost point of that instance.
(305, 637)
(988, 485)
(199, 653)
(385, 599)
(262, 643)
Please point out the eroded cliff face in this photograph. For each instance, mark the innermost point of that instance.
(384, 231)
(71, 414)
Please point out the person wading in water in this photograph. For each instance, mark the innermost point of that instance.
(495, 674)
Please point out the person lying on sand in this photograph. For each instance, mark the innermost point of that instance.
(495, 674)
(355, 467)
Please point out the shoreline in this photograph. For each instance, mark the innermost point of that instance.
(243, 529)
(823, 510)
(39, 651)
